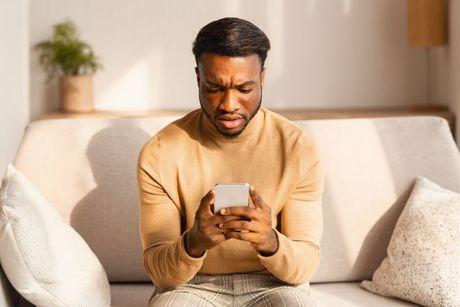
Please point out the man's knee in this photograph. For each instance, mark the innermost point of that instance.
(286, 297)
(178, 299)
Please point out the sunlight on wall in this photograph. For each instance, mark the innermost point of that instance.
(275, 26)
(311, 7)
(232, 7)
(346, 7)
(322, 56)
(138, 88)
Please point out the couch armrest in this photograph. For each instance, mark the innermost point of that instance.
(8, 296)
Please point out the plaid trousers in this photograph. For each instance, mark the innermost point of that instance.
(233, 290)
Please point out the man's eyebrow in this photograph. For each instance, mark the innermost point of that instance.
(237, 85)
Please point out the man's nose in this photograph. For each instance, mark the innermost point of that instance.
(229, 102)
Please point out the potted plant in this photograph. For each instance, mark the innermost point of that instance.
(65, 56)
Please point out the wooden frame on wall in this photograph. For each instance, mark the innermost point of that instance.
(426, 20)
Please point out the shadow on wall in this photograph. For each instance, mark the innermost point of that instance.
(108, 217)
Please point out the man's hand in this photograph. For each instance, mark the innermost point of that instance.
(205, 233)
(256, 226)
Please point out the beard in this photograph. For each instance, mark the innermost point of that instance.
(214, 119)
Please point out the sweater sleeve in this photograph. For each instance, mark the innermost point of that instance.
(298, 255)
(165, 259)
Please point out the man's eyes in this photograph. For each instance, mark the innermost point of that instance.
(245, 91)
(215, 90)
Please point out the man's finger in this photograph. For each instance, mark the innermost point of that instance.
(256, 199)
(241, 224)
(252, 237)
(219, 219)
(207, 201)
(251, 203)
(246, 212)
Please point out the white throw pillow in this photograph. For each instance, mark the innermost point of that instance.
(44, 258)
(423, 262)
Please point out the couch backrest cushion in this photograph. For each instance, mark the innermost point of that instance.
(86, 168)
(371, 165)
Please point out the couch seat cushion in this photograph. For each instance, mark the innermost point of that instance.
(347, 294)
(344, 294)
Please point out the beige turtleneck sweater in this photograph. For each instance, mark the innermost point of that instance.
(184, 160)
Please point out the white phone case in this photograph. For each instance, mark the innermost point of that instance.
(231, 195)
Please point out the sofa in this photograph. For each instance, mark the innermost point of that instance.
(86, 167)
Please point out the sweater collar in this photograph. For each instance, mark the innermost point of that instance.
(251, 129)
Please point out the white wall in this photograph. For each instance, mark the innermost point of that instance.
(325, 54)
(445, 67)
(14, 86)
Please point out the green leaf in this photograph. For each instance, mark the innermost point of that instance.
(65, 53)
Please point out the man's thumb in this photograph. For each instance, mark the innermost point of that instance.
(209, 200)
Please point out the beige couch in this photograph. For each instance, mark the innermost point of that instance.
(86, 167)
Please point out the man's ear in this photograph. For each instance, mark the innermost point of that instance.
(262, 76)
(197, 72)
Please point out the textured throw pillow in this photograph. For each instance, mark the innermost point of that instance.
(423, 263)
(45, 259)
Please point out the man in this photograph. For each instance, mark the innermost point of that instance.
(195, 257)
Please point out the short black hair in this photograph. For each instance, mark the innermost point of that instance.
(232, 37)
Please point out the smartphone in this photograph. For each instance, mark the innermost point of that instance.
(231, 195)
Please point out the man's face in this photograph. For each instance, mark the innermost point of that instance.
(230, 90)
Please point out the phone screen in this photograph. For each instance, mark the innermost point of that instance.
(231, 195)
